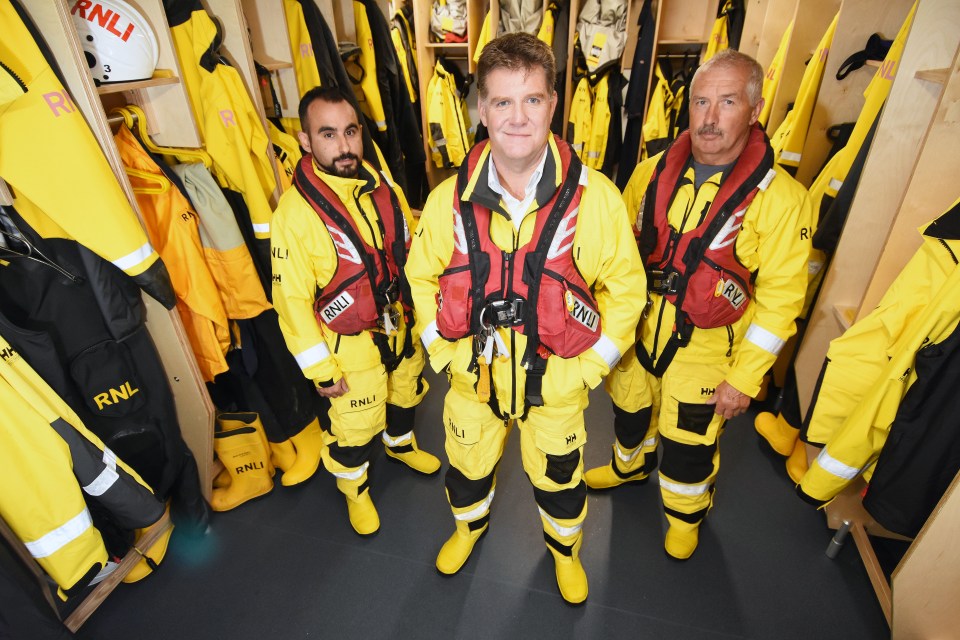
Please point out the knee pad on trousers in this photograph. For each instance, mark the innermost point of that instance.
(351, 457)
(631, 427)
(560, 469)
(565, 504)
(462, 491)
(687, 463)
(400, 420)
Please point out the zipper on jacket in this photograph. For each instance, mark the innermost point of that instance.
(513, 371)
(336, 345)
(730, 339)
(947, 247)
(14, 75)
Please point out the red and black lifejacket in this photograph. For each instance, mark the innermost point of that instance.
(536, 289)
(367, 278)
(698, 270)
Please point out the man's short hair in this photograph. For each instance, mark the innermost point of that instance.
(515, 52)
(733, 59)
(332, 95)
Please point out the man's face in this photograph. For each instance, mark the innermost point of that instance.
(333, 138)
(721, 115)
(517, 113)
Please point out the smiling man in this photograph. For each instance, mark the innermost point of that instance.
(528, 288)
(339, 241)
(724, 238)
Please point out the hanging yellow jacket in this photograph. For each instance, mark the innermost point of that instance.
(85, 202)
(368, 94)
(173, 227)
(301, 47)
(48, 460)
(229, 124)
(773, 242)
(581, 108)
(659, 129)
(287, 151)
(449, 132)
(595, 150)
(305, 258)
(771, 81)
(870, 368)
(790, 136)
(719, 38)
(406, 46)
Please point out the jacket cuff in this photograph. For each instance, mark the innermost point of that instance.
(593, 368)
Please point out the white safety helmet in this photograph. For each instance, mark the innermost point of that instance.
(119, 43)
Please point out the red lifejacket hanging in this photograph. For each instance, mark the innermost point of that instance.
(366, 279)
(535, 289)
(698, 270)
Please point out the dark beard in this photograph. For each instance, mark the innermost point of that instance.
(345, 172)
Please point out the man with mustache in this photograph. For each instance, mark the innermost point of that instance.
(339, 243)
(724, 235)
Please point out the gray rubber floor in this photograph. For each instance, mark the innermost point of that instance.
(289, 566)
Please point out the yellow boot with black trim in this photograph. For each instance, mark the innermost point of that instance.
(245, 458)
(404, 449)
(797, 464)
(457, 549)
(571, 578)
(151, 557)
(610, 475)
(360, 508)
(309, 446)
(777, 432)
(681, 539)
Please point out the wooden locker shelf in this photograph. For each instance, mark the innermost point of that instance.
(160, 78)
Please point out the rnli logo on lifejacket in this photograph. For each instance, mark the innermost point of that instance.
(95, 13)
(582, 313)
(459, 235)
(339, 304)
(732, 292)
(728, 233)
(114, 396)
(345, 248)
(563, 238)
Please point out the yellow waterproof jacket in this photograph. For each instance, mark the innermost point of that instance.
(660, 126)
(301, 47)
(773, 242)
(449, 132)
(604, 252)
(173, 227)
(84, 202)
(771, 81)
(870, 368)
(406, 47)
(530, 17)
(368, 92)
(719, 34)
(305, 259)
(288, 153)
(48, 460)
(790, 136)
(229, 124)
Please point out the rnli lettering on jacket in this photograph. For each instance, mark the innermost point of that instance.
(539, 277)
(367, 278)
(699, 269)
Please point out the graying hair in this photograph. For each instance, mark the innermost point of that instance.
(733, 59)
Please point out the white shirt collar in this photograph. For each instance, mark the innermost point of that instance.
(517, 208)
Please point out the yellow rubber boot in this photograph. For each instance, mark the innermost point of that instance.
(360, 508)
(571, 578)
(776, 431)
(243, 455)
(309, 446)
(283, 455)
(222, 479)
(230, 421)
(797, 462)
(681, 539)
(610, 475)
(404, 449)
(152, 556)
(457, 549)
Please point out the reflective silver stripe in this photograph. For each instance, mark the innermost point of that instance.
(262, 227)
(684, 489)
(764, 339)
(834, 467)
(396, 442)
(577, 147)
(381, 124)
(353, 475)
(607, 350)
(430, 333)
(563, 531)
(60, 537)
(387, 178)
(835, 184)
(767, 179)
(593, 154)
(624, 456)
(792, 156)
(106, 478)
(584, 172)
(478, 511)
(313, 355)
(133, 258)
(650, 442)
(440, 142)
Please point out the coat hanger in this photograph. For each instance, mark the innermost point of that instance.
(155, 184)
(136, 120)
(11, 236)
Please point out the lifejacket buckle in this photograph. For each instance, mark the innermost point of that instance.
(662, 282)
(502, 313)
